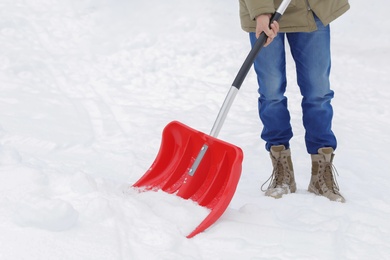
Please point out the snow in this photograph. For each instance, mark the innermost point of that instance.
(86, 89)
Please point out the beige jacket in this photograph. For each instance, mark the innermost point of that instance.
(297, 18)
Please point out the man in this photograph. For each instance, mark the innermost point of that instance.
(305, 25)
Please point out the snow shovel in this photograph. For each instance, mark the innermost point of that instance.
(197, 166)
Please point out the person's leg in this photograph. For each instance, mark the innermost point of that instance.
(311, 52)
(270, 68)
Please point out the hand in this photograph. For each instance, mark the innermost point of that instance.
(262, 25)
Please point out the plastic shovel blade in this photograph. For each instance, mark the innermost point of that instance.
(211, 183)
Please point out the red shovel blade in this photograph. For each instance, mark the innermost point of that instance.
(211, 183)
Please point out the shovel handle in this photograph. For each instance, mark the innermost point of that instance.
(257, 47)
(244, 71)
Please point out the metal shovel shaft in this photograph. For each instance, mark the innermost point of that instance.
(224, 111)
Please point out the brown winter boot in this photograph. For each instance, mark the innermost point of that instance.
(323, 179)
(282, 179)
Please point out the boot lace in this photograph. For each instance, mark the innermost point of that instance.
(330, 177)
(276, 177)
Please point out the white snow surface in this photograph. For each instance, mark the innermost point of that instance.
(87, 87)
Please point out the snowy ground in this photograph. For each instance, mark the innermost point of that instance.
(86, 89)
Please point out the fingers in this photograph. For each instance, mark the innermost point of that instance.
(275, 27)
(271, 32)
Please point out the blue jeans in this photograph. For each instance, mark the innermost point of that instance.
(311, 53)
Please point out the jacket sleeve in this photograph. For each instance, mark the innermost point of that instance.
(258, 7)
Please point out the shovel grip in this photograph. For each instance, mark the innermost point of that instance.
(255, 50)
